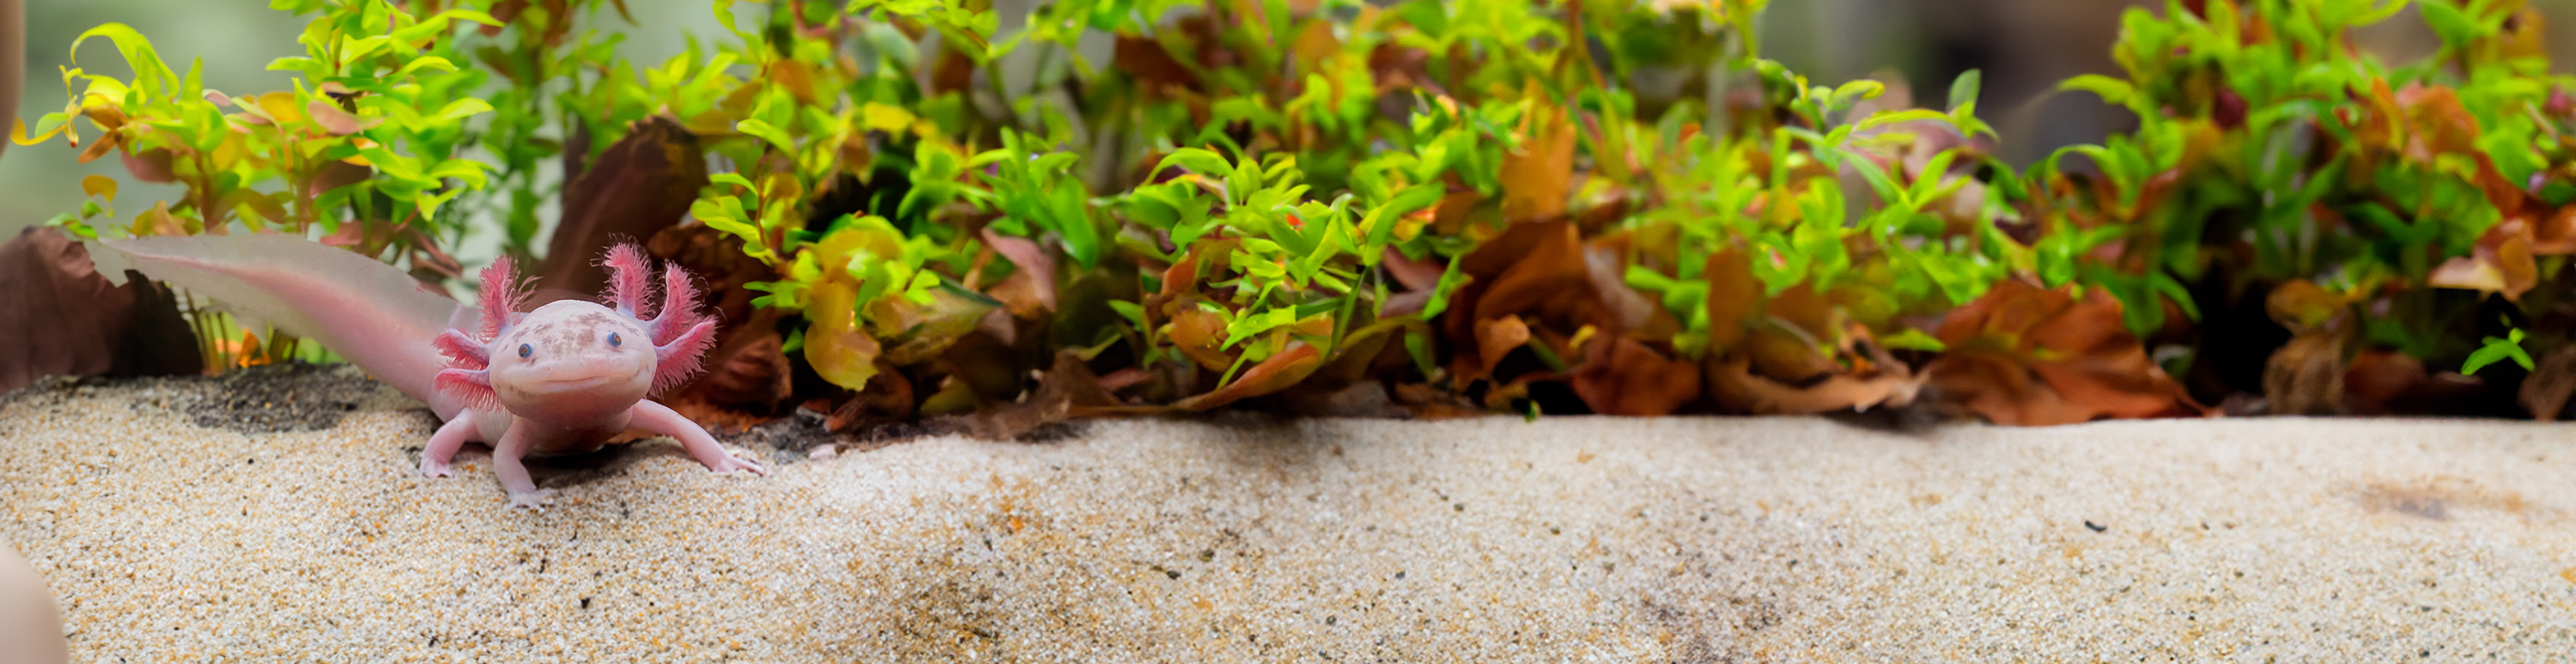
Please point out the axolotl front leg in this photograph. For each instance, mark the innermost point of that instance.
(469, 426)
(522, 438)
(660, 419)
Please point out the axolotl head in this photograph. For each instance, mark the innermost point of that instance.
(573, 361)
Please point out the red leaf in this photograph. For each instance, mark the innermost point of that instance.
(1271, 375)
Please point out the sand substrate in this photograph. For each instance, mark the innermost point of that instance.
(210, 520)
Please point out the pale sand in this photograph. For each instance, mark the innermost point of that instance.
(1571, 539)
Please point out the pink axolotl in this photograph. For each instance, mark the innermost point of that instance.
(562, 379)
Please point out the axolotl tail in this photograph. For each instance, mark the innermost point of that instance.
(367, 311)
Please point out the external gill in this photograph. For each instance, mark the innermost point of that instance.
(681, 335)
(469, 360)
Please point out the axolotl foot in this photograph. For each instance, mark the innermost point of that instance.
(727, 463)
(529, 500)
(430, 468)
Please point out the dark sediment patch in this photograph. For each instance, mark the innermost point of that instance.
(278, 398)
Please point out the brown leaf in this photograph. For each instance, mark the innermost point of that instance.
(2556, 236)
(158, 341)
(1067, 391)
(1030, 291)
(2552, 381)
(1146, 60)
(1733, 296)
(100, 148)
(888, 398)
(1625, 310)
(60, 315)
(1537, 272)
(1315, 44)
(1497, 338)
(755, 377)
(1628, 378)
(151, 166)
(955, 71)
(1539, 177)
(1431, 403)
(1424, 274)
(2387, 382)
(1999, 388)
(337, 174)
(2378, 378)
(716, 259)
(1290, 365)
(2023, 355)
(1732, 383)
(640, 186)
(2306, 376)
(1779, 355)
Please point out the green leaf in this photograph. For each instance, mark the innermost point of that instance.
(461, 109)
(1913, 339)
(425, 62)
(1964, 91)
(2113, 91)
(1195, 160)
(1854, 92)
(777, 138)
(2498, 350)
(1878, 120)
(2450, 22)
(151, 75)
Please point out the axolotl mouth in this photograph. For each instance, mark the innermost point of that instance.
(563, 385)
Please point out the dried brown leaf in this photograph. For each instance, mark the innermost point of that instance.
(1733, 296)
(2306, 376)
(1497, 338)
(2023, 355)
(643, 184)
(1625, 377)
(1738, 389)
(63, 318)
(754, 378)
(1067, 391)
(1030, 291)
(1146, 60)
(1539, 177)
(2553, 380)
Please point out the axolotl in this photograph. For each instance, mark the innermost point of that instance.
(562, 379)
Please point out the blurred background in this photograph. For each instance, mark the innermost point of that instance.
(2024, 47)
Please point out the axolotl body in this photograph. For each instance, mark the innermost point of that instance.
(562, 379)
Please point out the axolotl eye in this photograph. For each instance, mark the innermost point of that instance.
(525, 350)
(614, 342)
